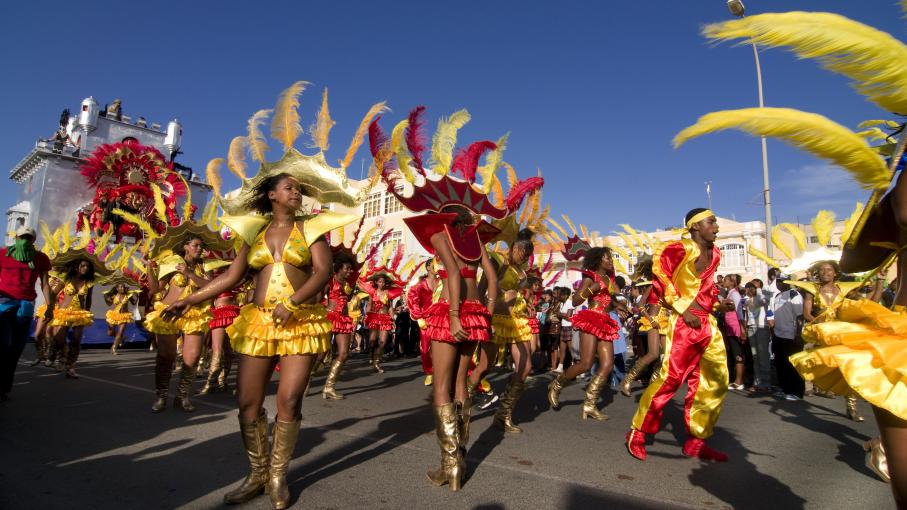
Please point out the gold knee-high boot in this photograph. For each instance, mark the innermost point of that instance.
(255, 440)
(447, 428)
(162, 372)
(181, 400)
(504, 414)
(217, 366)
(590, 409)
(71, 357)
(225, 372)
(285, 435)
(464, 414)
(632, 375)
(328, 393)
(852, 412)
(554, 390)
(376, 360)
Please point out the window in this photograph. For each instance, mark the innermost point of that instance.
(733, 255)
(813, 239)
(372, 206)
(391, 204)
(394, 239)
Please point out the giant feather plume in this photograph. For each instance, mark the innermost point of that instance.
(823, 225)
(497, 192)
(212, 173)
(415, 137)
(160, 208)
(520, 190)
(361, 131)
(493, 163)
(258, 145)
(776, 240)
(466, 162)
(285, 125)
(761, 255)
(851, 221)
(381, 149)
(445, 139)
(559, 228)
(512, 179)
(138, 220)
(623, 252)
(362, 242)
(798, 234)
(101, 243)
(808, 131)
(236, 156)
(84, 235)
(875, 61)
(399, 145)
(628, 241)
(67, 238)
(323, 124)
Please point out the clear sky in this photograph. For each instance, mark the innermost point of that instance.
(592, 92)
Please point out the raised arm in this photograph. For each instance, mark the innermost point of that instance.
(490, 276)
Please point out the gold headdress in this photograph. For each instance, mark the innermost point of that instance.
(67, 248)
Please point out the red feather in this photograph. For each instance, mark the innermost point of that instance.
(398, 257)
(358, 231)
(376, 246)
(376, 137)
(415, 137)
(467, 160)
(521, 190)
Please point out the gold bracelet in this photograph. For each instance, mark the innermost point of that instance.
(454, 312)
(288, 304)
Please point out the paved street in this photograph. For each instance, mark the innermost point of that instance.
(93, 443)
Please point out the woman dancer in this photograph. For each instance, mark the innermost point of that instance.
(597, 332)
(44, 342)
(73, 311)
(378, 319)
(118, 316)
(652, 322)
(338, 296)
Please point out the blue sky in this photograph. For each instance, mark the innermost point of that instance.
(592, 92)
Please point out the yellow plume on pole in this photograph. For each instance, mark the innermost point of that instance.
(497, 192)
(875, 61)
(851, 221)
(374, 111)
(559, 228)
(823, 225)
(285, 126)
(512, 179)
(160, 209)
(364, 239)
(798, 234)
(84, 234)
(236, 156)
(776, 240)
(628, 242)
(807, 131)
(402, 152)
(569, 223)
(323, 124)
(492, 164)
(258, 145)
(445, 140)
(212, 173)
(761, 255)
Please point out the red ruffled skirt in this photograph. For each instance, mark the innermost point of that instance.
(340, 324)
(534, 326)
(378, 322)
(222, 316)
(474, 318)
(596, 323)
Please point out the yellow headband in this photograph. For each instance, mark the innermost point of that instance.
(699, 217)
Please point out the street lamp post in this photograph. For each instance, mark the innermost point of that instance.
(737, 9)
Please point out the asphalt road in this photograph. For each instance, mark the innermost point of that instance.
(93, 443)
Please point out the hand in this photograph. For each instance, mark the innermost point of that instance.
(281, 315)
(456, 330)
(49, 312)
(691, 319)
(182, 269)
(175, 310)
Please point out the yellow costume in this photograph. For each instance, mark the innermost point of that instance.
(513, 327)
(254, 332)
(73, 316)
(116, 316)
(195, 319)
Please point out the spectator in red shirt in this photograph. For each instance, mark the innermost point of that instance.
(21, 265)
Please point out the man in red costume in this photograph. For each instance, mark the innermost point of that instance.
(418, 299)
(694, 352)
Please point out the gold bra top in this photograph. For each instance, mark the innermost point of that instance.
(295, 251)
(77, 296)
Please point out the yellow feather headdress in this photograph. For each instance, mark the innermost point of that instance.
(798, 234)
(160, 208)
(285, 125)
(258, 146)
(445, 139)
(323, 124)
(851, 222)
(823, 224)
(236, 156)
(493, 163)
(374, 111)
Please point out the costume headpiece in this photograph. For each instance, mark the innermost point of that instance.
(64, 248)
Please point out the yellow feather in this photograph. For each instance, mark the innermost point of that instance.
(797, 232)
(569, 223)
(584, 231)
(85, 234)
(285, 125)
(236, 156)
(258, 146)
(209, 214)
(823, 225)
(851, 221)
(534, 204)
(653, 244)
(497, 192)
(511, 176)
(628, 242)
(138, 220)
(113, 251)
(104, 240)
(67, 238)
(624, 254)
(386, 252)
(875, 61)
(364, 239)
(160, 209)
(873, 134)
(619, 267)
(808, 131)
(445, 140)
(493, 163)
(374, 111)
(338, 234)
(559, 228)
(49, 248)
(761, 255)
(212, 173)
(399, 147)
(776, 240)
(539, 225)
(878, 122)
(524, 212)
(323, 124)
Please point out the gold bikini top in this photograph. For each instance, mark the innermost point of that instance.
(295, 251)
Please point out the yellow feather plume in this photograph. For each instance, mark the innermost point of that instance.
(890, 124)
(851, 221)
(322, 129)
(534, 204)
(776, 240)
(640, 242)
(445, 140)
(621, 251)
(797, 232)
(258, 145)
(50, 246)
(808, 131)
(212, 173)
(628, 241)
(569, 224)
(236, 156)
(512, 179)
(620, 268)
(160, 209)
(553, 239)
(497, 192)
(84, 235)
(337, 235)
(374, 111)
(138, 220)
(113, 251)
(875, 61)
(102, 242)
(403, 155)
(285, 125)
(873, 134)
(67, 238)
(524, 213)
(761, 255)
(559, 228)
(209, 214)
(823, 225)
(364, 239)
(58, 241)
(584, 231)
(493, 163)
(539, 224)
(386, 251)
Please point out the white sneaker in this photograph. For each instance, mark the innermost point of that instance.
(559, 369)
(735, 386)
(491, 399)
(792, 398)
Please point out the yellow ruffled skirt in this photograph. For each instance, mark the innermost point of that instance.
(40, 311)
(115, 318)
(254, 333)
(69, 318)
(863, 352)
(509, 329)
(194, 321)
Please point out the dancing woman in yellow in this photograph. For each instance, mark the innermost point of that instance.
(118, 298)
(44, 342)
(73, 312)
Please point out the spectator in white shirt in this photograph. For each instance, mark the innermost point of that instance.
(786, 324)
(759, 336)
